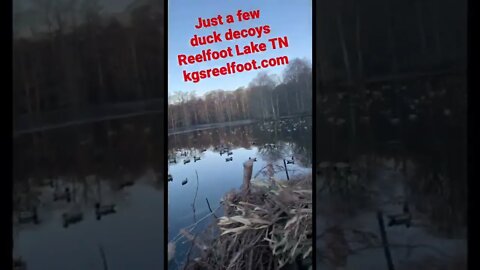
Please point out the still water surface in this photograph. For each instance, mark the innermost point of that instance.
(268, 142)
(116, 163)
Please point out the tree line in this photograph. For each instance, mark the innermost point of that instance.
(360, 39)
(80, 56)
(268, 96)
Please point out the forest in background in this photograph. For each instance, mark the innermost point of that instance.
(79, 56)
(268, 96)
(370, 39)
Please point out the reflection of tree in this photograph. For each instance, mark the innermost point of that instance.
(287, 142)
(440, 193)
(107, 149)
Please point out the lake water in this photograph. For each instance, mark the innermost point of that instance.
(268, 142)
(118, 163)
(407, 145)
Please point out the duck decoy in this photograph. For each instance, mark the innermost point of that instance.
(19, 264)
(174, 160)
(340, 121)
(186, 161)
(290, 161)
(170, 178)
(229, 159)
(103, 210)
(254, 159)
(195, 159)
(404, 218)
(229, 153)
(59, 196)
(184, 182)
(28, 216)
(395, 121)
(71, 218)
(341, 166)
(126, 183)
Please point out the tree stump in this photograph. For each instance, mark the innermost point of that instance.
(247, 175)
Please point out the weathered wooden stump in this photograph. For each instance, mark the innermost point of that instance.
(247, 175)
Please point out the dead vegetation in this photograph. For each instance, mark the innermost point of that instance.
(269, 227)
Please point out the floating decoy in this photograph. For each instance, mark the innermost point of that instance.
(59, 196)
(195, 159)
(340, 166)
(126, 183)
(394, 121)
(174, 160)
(170, 178)
(28, 216)
(184, 182)
(229, 153)
(71, 218)
(340, 121)
(364, 119)
(19, 264)
(85, 142)
(229, 159)
(324, 165)
(401, 219)
(103, 210)
(186, 161)
(254, 159)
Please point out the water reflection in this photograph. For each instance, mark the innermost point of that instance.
(94, 189)
(406, 144)
(216, 157)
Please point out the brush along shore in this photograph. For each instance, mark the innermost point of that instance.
(267, 225)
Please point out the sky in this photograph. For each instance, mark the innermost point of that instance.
(285, 17)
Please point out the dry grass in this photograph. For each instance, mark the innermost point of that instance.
(268, 228)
